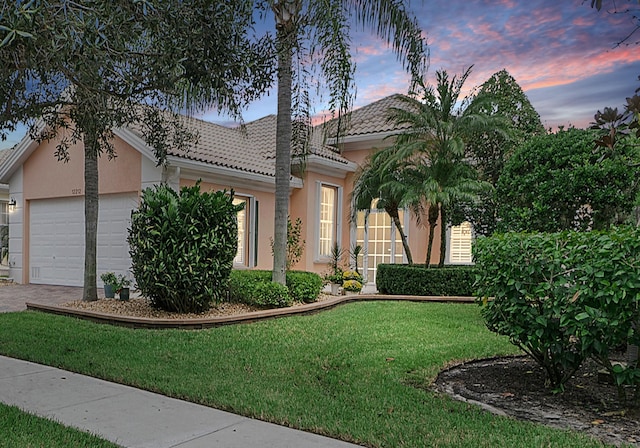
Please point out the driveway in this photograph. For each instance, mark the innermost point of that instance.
(13, 297)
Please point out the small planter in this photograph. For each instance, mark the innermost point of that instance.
(124, 294)
(335, 288)
(109, 291)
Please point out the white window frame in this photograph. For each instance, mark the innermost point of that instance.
(394, 237)
(449, 259)
(249, 239)
(318, 257)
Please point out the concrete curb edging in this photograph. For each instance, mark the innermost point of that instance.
(196, 324)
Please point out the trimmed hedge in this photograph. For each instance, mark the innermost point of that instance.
(417, 280)
(248, 287)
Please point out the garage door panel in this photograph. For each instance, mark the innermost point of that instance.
(57, 238)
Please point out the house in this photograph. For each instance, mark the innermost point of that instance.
(46, 226)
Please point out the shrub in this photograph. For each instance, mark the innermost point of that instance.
(271, 295)
(304, 286)
(558, 182)
(301, 286)
(420, 281)
(563, 297)
(182, 246)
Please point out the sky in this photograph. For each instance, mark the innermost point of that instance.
(562, 53)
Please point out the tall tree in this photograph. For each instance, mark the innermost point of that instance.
(78, 70)
(318, 31)
(432, 145)
(381, 180)
(489, 149)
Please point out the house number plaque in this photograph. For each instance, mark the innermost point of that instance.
(76, 191)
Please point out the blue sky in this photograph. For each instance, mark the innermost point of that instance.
(562, 53)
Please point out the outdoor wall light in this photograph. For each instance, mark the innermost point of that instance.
(12, 203)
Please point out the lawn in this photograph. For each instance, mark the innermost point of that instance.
(360, 372)
(23, 430)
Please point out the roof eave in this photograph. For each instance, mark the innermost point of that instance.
(20, 154)
(232, 177)
(322, 165)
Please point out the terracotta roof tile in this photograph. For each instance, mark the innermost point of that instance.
(370, 119)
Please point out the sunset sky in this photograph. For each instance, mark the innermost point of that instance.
(562, 53)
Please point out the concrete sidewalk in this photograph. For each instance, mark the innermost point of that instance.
(136, 418)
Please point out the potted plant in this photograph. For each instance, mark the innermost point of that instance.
(352, 281)
(110, 284)
(335, 279)
(122, 287)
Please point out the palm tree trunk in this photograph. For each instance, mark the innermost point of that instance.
(90, 292)
(433, 223)
(285, 36)
(405, 244)
(443, 235)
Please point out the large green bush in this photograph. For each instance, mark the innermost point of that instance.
(420, 281)
(563, 297)
(245, 286)
(182, 246)
(560, 181)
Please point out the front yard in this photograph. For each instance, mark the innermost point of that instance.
(360, 372)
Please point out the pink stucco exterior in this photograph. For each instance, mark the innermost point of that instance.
(38, 175)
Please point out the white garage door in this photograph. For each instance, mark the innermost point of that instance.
(56, 252)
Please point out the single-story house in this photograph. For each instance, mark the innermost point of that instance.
(46, 226)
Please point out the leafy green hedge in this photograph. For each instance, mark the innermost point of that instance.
(417, 280)
(248, 287)
(182, 246)
(563, 297)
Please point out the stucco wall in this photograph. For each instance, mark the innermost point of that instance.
(45, 177)
(265, 217)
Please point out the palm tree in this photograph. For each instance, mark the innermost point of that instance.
(318, 30)
(432, 148)
(377, 181)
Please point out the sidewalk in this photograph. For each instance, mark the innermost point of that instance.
(136, 418)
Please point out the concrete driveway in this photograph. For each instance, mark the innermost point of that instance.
(13, 297)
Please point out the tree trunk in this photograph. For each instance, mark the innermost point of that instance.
(433, 223)
(393, 213)
(285, 30)
(443, 235)
(90, 292)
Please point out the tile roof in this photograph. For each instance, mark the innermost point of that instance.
(5, 153)
(370, 119)
(251, 148)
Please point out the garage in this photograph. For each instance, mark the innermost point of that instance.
(56, 238)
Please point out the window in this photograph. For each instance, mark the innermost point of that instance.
(329, 204)
(460, 239)
(246, 225)
(377, 234)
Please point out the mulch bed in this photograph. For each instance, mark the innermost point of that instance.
(515, 386)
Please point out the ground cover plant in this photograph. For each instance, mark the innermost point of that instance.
(359, 372)
(23, 430)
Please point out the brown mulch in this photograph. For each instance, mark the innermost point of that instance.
(515, 386)
(141, 307)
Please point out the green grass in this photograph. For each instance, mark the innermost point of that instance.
(19, 429)
(360, 372)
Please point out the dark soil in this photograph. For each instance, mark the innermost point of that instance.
(515, 386)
